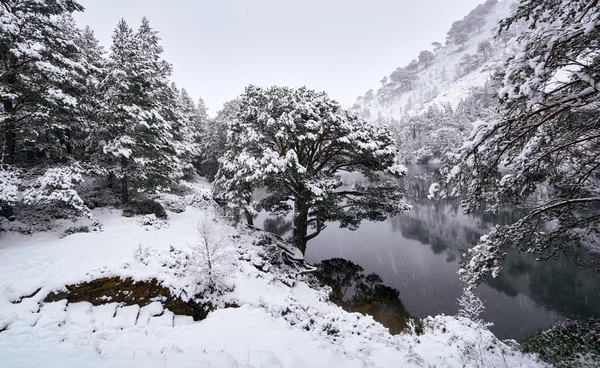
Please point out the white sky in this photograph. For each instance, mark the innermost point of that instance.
(342, 47)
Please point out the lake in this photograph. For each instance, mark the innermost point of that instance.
(418, 253)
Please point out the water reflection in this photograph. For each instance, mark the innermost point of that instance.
(356, 292)
(418, 253)
(278, 225)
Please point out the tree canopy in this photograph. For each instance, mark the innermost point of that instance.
(295, 143)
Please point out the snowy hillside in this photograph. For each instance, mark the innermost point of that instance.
(445, 89)
(281, 321)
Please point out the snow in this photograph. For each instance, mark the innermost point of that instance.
(449, 87)
(276, 325)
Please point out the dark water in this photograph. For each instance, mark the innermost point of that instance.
(418, 253)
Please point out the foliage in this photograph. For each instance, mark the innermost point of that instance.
(8, 191)
(40, 73)
(213, 138)
(542, 155)
(56, 188)
(76, 230)
(294, 143)
(569, 343)
(144, 207)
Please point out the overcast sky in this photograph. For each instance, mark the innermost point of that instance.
(342, 47)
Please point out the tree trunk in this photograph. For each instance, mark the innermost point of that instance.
(249, 218)
(300, 225)
(9, 146)
(10, 136)
(124, 190)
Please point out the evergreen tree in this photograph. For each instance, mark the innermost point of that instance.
(426, 57)
(214, 138)
(138, 137)
(295, 143)
(39, 65)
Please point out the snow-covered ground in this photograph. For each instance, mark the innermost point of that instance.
(281, 322)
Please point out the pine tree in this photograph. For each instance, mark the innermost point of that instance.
(214, 138)
(39, 64)
(91, 101)
(426, 57)
(186, 129)
(138, 136)
(294, 143)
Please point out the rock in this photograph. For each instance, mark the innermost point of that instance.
(129, 292)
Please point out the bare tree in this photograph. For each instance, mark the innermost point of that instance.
(471, 307)
(212, 256)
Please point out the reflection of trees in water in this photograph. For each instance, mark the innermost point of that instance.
(436, 229)
(441, 223)
(557, 285)
(277, 225)
(356, 292)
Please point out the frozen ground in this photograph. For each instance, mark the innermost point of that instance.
(277, 325)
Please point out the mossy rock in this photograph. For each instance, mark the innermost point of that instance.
(129, 292)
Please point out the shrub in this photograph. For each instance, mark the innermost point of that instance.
(144, 207)
(569, 343)
(55, 190)
(76, 229)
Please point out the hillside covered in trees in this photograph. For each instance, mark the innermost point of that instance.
(432, 103)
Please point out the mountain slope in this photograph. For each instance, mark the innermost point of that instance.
(431, 105)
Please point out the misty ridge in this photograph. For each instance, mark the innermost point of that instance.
(448, 217)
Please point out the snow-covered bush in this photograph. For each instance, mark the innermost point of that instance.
(56, 188)
(8, 191)
(144, 207)
(76, 229)
(569, 343)
(212, 258)
(151, 221)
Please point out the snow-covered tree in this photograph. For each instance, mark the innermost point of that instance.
(186, 128)
(91, 101)
(294, 143)
(138, 132)
(485, 48)
(9, 189)
(426, 57)
(413, 66)
(214, 138)
(212, 257)
(543, 155)
(404, 78)
(471, 307)
(39, 64)
(201, 111)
